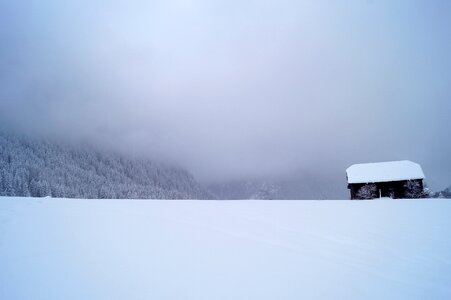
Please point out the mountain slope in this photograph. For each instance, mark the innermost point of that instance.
(31, 167)
(296, 185)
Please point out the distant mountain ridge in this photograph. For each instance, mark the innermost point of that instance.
(38, 168)
(296, 185)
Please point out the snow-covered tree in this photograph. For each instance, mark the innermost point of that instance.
(414, 189)
(367, 191)
(267, 191)
(446, 193)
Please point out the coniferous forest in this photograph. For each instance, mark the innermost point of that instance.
(40, 168)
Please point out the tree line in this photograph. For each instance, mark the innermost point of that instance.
(39, 168)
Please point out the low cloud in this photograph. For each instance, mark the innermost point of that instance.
(229, 89)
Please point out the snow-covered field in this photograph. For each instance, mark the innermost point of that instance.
(123, 249)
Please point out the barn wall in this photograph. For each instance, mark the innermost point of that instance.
(392, 189)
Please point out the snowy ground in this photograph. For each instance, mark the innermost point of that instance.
(94, 249)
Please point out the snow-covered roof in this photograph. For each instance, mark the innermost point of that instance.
(384, 172)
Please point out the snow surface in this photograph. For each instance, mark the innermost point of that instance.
(187, 249)
(384, 172)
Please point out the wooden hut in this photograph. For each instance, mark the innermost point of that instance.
(395, 179)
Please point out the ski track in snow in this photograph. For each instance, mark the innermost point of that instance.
(188, 249)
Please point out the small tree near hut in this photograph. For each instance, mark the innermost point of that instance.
(414, 189)
(367, 191)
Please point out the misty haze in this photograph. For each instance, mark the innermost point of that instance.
(225, 100)
(235, 91)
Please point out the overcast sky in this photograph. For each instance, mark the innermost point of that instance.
(232, 88)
